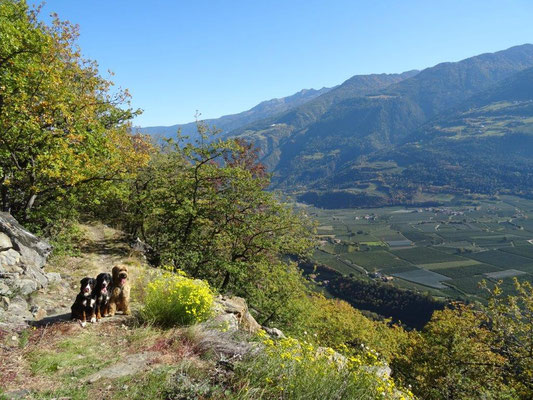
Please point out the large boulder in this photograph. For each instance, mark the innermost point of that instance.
(22, 259)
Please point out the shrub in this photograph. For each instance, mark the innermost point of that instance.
(174, 299)
(292, 369)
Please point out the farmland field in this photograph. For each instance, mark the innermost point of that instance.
(441, 250)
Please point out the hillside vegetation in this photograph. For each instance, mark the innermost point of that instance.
(69, 167)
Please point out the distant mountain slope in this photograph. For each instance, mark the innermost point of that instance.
(228, 123)
(484, 145)
(315, 141)
(272, 133)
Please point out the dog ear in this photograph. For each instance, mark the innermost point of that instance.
(115, 271)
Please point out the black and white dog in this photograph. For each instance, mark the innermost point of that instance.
(83, 308)
(103, 294)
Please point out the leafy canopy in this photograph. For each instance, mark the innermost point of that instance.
(61, 124)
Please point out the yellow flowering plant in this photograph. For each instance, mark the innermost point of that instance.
(296, 369)
(173, 298)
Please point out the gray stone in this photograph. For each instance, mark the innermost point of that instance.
(274, 333)
(53, 277)
(18, 307)
(37, 275)
(130, 365)
(17, 394)
(9, 257)
(4, 302)
(238, 307)
(5, 242)
(26, 286)
(223, 322)
(34, 251)
(4, 289)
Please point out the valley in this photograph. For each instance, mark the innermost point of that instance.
(445, 251)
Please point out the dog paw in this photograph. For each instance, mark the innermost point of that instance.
(83, 324)
(93, 320)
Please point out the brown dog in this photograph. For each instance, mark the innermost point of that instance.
(120, 293)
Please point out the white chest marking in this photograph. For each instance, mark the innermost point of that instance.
(84, 302)
(92, 302)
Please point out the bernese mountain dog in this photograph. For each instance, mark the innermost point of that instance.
(83, 308)
(103, 294)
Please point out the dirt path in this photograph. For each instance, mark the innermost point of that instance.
(102, 247)
(56, 350)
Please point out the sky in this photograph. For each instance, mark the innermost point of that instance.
(225, 56)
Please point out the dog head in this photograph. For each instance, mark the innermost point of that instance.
(120, 275)
(103, 281)
(87, 286)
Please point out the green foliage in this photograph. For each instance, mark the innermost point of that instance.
(204, 208)
(336, 323)
(453, 358)
(511, 322)
(62, 125)
(66, 237)
(292, 369)
(174, 299)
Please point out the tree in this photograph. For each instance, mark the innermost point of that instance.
(510, 318)
(61, 124)
(454, 358)
(203, 206)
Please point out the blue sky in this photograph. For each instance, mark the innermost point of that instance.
(225, 56)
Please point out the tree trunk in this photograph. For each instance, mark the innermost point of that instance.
(226, 281)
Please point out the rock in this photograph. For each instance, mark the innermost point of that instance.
(53, 277)
(130, 365)
(223, 322)
(4, 289)
(4, 302)
(34, 251)
(17, 394)
(18, 307)
(238, 307)
(38, 313)
(5, 242)
(274, 333)
(9, 257)
(147, 251)
(382, 371)
(22, 258)
(26, 286)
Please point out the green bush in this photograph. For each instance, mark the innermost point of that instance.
(174, 299)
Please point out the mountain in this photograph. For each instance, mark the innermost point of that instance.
(277, 134)
(308, 146)
(228, 123)
(484, 145)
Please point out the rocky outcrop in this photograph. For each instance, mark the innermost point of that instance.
(22, 259)
(232, 313)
